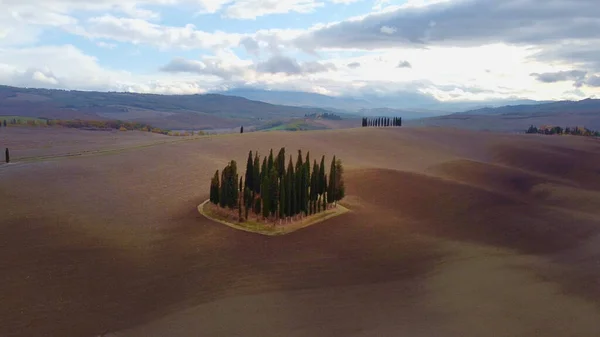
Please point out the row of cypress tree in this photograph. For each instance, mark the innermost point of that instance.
(382, 121)
(274, 191)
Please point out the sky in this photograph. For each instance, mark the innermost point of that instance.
(453, 50)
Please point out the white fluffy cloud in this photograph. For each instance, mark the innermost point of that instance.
(449, 49)
(138, 31)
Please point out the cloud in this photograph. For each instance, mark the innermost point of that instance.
(404, 64)
(286, 65)
(579, 77)
(251, 9)
(106, 45)
(593, 81)
(576, 53)
(252, 47)
(353, 65)
(137, 31)
(463, 23)
(67, 67)
(388, 30)
(208, 66)
(560, 76)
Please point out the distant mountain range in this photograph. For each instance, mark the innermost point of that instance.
(166, 111)
(517, 118)
(410, 105)
(257, 108)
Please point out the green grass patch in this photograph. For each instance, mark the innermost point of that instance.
(251, 225)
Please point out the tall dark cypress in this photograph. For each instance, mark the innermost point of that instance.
(299, 182)
(281, 162)
(331, 189)
(322, 186)
(249, 171)
(265, 194)
(247, 199)
(339, 186)
(314, 179)
(290, 189)
(324, 196)
(273, 192)
(223, 189)
(214, 189)
(282, 194)
(256, 174)
(233, 202)
(306, 182)
(270, 163)
(263, 171)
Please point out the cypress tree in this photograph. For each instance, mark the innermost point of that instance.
(242, 129)
(265, 194)
(322, 186)
(299, 178)
(281, 162)
(249, 171)
(256, 174)
(290, 189)
(7, 156)
(324, 196)
(282, 193)
(240, 207)
(263, 173)
(340, 188)
(4, 123)
(214, 189)
(247, 199)
(400, 121)
(233, 198)
(273, 192)
(314, 178)
(223, 189)
(307, 183)
(270, 162)
(331, 188)
(257, 206)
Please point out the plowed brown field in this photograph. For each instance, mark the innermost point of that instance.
(452, 233)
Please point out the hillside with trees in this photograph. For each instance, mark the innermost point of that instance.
(276, 189)
(557, 130)
(17, 121)
(184, 112)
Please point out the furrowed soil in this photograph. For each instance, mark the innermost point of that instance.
(452, 233)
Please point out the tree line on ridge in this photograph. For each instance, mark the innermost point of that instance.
(382, 121)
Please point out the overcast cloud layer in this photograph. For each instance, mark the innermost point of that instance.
(447, 49)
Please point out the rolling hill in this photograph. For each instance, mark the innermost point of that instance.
(412, 104)
(451, 233)
(167, 111)
(516, 118)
